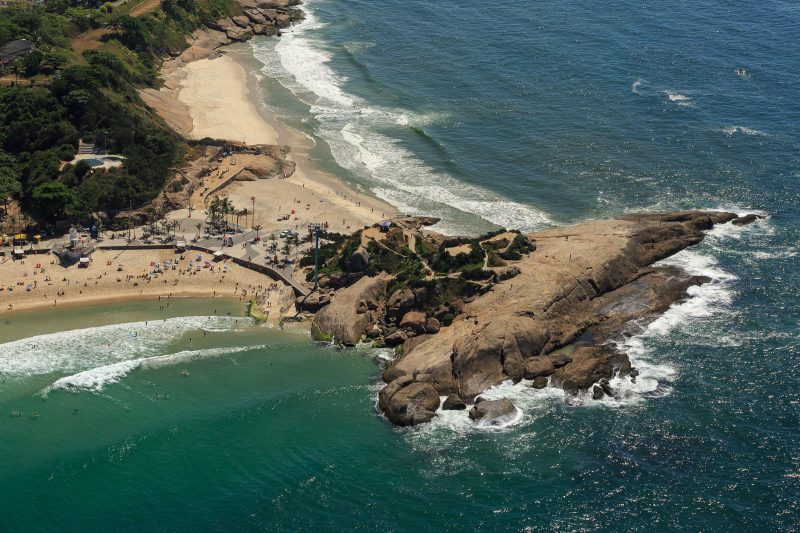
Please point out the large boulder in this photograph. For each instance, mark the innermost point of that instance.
(313, 303)
(400, 302)
(395, 338)
(538, 366)
(432, 326)
(402, 299)
(359, 261)
(241, 21)
(454, 403)
(340, 320)
(255, 16)
(589, 365)
(494, 353)
(494, 412)
(239, 34)
(743, 221)
(539, 382)
(407, 402)
(414, 321)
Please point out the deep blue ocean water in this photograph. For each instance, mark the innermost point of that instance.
(522, 114)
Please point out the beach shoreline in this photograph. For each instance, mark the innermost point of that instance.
(38, 283)
(215, 94)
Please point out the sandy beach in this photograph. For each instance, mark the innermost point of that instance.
(38, 281)
(209, 94)
(218, 102)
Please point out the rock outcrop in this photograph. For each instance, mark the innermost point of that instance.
(584, 284)
(340, 320)
(494, 412)
(409, 400)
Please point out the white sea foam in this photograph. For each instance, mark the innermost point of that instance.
(95, 379)
(636, 84)
(730, 131)
(704, 301)
(529, 402)
(356, 133)
(680, 99)
(786, 254)
(83, 349)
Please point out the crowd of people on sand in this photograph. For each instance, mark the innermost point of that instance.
(169, 272)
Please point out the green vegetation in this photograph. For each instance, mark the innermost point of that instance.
(255, 313)
(318, 335)
(519, 246)
(443, 261)
(94, 97)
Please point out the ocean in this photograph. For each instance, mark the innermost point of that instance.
(517, 114)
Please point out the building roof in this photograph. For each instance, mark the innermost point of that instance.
(14, 49)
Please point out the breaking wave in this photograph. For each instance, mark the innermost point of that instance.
(79, 350)
(359, 135)
(95, 379)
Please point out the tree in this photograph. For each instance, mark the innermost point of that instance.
(257, 228)
(9, 186)
(273, 250)
(287, 248)
(53, 200)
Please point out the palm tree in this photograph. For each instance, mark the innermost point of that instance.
(257, 228)
(287, 248)
(199, 227)
(214, 211)
(227, 209)
(273, 250)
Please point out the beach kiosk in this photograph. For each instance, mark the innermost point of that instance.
(180, 246)
(83, 262)
(18, 253)
(218, 255)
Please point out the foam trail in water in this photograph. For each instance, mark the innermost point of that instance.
(354, 130)
(730, 131)
(95, 379)
(680, 99)
(82, 349)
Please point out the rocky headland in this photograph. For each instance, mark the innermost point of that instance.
(468, 314)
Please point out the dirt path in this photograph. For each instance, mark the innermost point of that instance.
(93, 39)
(145, 7)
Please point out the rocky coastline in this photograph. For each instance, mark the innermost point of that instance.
(550, 315)
(466, 314)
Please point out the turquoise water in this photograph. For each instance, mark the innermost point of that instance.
(525, 115)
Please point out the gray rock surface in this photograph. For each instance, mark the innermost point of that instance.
(494, 412)
(406, 402)
(587, 281)
(454, 403)
(341, 319)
